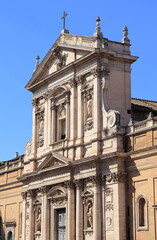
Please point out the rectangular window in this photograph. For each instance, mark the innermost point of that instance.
(61, 224)
(62, 129)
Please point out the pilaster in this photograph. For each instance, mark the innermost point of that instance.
(45, 214)
(79, 210)
(71, 211)
(24, 196)
(115, 206)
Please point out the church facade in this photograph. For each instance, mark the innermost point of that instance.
(89, 171)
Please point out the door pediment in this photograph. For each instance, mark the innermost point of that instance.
(52, 161)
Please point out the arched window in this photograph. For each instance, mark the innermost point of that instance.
(10, 236)
(142, 213)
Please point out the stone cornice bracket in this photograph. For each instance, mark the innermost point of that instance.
(79, 183)
(24, 195)
(115, 177)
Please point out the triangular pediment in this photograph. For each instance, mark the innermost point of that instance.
(66, 50)
(53, 160)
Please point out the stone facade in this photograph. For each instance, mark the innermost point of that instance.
(89, 171)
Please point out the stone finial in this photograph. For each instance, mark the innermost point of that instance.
(37, 62)
(98, 33)
(64, 30)
(125, 34)
(130, 122)
(150, 116)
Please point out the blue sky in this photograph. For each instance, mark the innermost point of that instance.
(29, 28)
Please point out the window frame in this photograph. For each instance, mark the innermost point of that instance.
(138, 226)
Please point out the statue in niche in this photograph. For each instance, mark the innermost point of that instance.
(89, 214)
(41, 128)
(62, 112)
(89, 106)
(38, 220)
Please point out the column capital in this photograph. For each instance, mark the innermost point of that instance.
(79, 183)
(115, 177)
(97, 179)
(24, 195)
(31, 193)
(44, 189)
(72, 82)
(69, 184)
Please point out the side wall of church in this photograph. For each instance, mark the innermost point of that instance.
(142, 180)
(11, 200)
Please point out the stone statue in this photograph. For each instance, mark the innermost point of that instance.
(89, 215)
(38, 220)
(89, 106)
(41, 128)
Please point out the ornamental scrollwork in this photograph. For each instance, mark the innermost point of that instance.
(111, 117)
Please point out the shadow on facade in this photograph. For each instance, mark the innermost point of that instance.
(130, 196)
(2, 233)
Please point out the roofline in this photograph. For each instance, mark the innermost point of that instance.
(144, 100)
